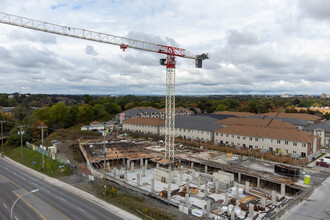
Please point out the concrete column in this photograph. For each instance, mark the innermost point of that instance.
(226, 199)
(138, 180)
(237, 192)
(263, 202)
(169, 191)
(128, 164)
(282, 189)
(115, 172)
(274, 196)
(232, 214)
(199, 181)
(179, 162)
(251, 210)
(187, 197)
(192, 165)
(181, 175)
(157, 165)
(247, 186)
(194, 174)
(108, 164)
(208, 205)
(205, 189)
(132, 166)
(205, 168)
(216, 187)
(239, 178)
(125, 175)
(123, 161)
(143, 171)
(146, 163)
(141, 162)
(152, 185)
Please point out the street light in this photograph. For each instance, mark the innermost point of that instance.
(11, 210)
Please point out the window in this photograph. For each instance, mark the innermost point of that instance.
(227, 142)
(263, 139)
(270, 149)
(250, 146)
(244, 138)
(294, 143)
(294, 152)
(303, 154)
(238, 137)
(250, 138)
(256, 146)
(216, 134)
(278, 141)
(256, 139)
(232, 143)
(221, 134)
(286, 142)
(227, 135)
(303, 144)
(232, 136)
(238, 144)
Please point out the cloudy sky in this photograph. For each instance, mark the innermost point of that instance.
(255, 47)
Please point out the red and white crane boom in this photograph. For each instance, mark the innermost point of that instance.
(123, 43)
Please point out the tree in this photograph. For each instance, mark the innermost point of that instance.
(99, 111)
(87, 99)
(85, 113)
(129, 105)
(112, 108)
(221, 107)
(58, 114)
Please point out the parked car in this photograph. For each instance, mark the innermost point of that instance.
(322, 163)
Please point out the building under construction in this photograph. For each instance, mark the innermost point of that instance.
(200, 183)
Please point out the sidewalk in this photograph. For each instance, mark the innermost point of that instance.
(117, 211)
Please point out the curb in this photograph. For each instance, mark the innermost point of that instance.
(114, 209)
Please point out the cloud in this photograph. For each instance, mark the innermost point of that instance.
(319, 9)
(255, 47)
(90, 50)
(237, 38)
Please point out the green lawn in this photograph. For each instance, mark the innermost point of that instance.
(29, 157)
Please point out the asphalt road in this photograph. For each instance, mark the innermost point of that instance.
(314, 207)
(50, 202)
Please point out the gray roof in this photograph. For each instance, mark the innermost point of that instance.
(324, 125)
(134, 112)
(294, 121)
(196, 122)
(217, 116)
(7, 109)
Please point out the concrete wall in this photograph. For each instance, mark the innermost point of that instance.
(285, 146)
(159, 173)
(222, 176)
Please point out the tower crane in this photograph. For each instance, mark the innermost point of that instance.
(124, 43)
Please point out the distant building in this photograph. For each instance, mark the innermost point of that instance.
(94, 126)
(7, 110)
(287, 96)
(150, 112)
(323, 110)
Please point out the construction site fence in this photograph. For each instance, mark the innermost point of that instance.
(47, 153)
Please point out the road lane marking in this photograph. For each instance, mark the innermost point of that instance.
(5, 205)
(16, 218)
(81, 209)
(35, 197)
(43, 217)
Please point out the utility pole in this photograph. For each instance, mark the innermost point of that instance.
(2, 151)
(21, 133)
(105, 163)
(42, 145)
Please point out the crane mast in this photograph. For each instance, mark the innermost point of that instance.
(123, 43)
